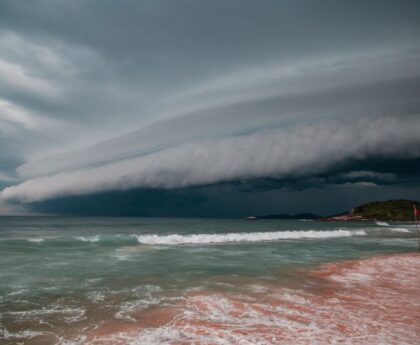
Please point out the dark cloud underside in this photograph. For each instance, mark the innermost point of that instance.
(207, 108)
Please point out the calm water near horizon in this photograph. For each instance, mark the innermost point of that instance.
(63, 278)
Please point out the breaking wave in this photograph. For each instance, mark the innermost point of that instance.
(121, 240)
(244, 237)
(36, 240)
(118, 240)
(91, 239)
(400, 230)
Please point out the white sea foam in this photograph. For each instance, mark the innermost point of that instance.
(96, 296)
(79, 340)
(361, 310)
(122, 257)
(92, 239)
(148, 288)
(128, 308)
(399, 229)
(26, 334)
(36, 240)
(244, 237)
(382, 223)
(69, 315)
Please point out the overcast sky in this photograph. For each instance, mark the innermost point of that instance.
(207, 108)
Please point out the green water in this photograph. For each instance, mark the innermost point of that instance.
(65, 271)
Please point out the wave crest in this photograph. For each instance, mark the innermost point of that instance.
(91, 239)
(244, 237)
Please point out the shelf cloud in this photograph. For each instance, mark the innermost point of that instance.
(279, 153)
(98, 97)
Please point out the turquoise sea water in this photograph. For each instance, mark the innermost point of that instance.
(60, 276)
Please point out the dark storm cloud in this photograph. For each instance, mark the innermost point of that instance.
(234, 199)
(102, 95)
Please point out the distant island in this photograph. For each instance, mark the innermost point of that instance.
(291, 216)
(390, 210)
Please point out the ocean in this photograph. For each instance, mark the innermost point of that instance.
(71, 280)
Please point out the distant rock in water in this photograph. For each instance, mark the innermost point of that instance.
(394, 210)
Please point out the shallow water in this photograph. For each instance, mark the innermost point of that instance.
(67, 280)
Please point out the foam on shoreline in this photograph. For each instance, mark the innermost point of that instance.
(370, 301)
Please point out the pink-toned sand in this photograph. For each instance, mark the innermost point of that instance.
(371, 301)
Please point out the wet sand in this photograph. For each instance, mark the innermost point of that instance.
(368, 301)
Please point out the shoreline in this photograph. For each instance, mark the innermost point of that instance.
(368, 301)
(181, 282)
(365, 301)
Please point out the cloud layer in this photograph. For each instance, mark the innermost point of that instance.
(98, 96)
(298, 151)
